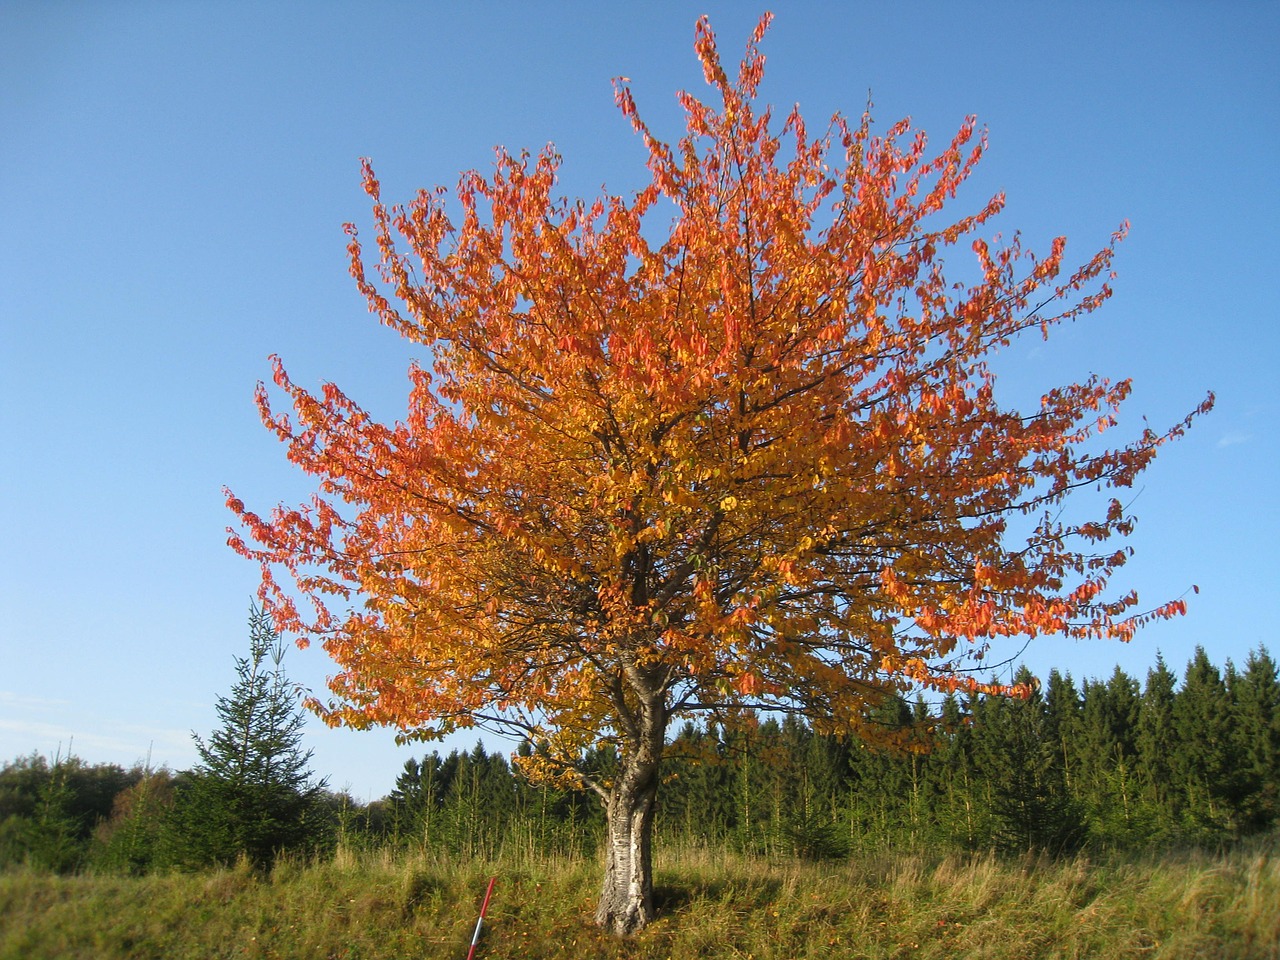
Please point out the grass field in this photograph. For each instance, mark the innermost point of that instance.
(375, 905)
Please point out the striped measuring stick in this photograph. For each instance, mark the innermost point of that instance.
(475, 937)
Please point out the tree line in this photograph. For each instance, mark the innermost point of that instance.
(1106, 764)
(1112, 764)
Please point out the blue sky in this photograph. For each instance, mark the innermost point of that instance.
(173, 182)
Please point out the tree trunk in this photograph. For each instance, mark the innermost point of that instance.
(626, 899)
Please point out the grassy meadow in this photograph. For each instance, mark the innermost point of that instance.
(376, 905)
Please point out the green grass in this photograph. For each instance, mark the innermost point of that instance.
(370, 906)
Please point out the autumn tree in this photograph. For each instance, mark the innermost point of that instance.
(729, 444)
(132, 838)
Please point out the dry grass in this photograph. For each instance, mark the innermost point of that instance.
(374, 905)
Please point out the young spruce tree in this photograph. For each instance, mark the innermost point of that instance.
(252, 793)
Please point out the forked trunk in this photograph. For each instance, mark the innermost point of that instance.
(626, 899)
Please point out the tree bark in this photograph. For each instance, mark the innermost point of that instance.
(626, 899)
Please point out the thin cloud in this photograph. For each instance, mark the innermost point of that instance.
(1233, 439)
(27, 702)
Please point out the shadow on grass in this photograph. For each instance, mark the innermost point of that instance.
(670, 899)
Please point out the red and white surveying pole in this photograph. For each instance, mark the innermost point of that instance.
(475, 937)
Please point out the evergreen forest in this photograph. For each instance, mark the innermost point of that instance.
(1115, 764)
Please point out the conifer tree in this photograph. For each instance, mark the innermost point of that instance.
(417, 798)
(1108, 722)
(751, 750)
(1203, 765)
(1032, 808)
(805, 787)
(698, 786)
(52, 835)
(960, 818)
(1061, 724)
(1157, 740)
(1256, 735)
(252, 794)
(881, 786)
